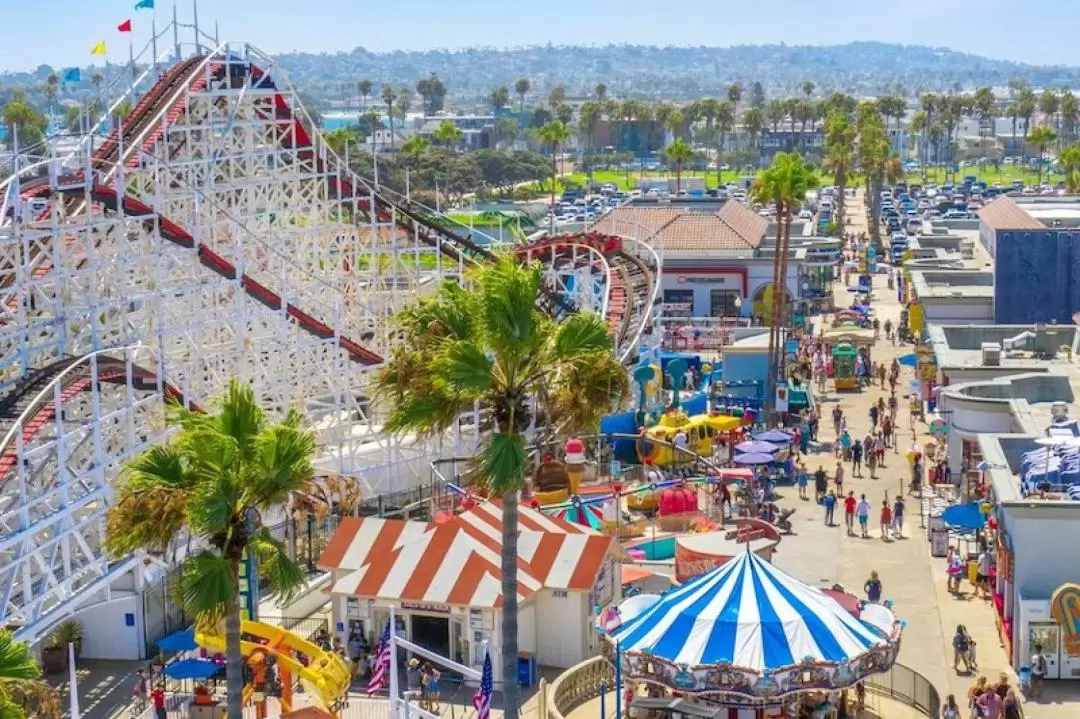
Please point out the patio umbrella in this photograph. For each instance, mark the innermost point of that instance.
(908, 360)
(196, 669)
(183, 641)
(964, 516)
(752, 458)
(773, 436)
(756, 447)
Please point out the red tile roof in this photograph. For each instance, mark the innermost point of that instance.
(734, 227)
(1004, 214)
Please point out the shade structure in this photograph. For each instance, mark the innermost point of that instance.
(587, 515)
(756, 446)
(774, 436)
(908, 360)
(752, 458)
(748, 628)
(183, 641)
(967, 517)
(192, 669)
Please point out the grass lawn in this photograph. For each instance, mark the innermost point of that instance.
(627, 181)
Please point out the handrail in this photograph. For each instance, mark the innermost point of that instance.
(528, 251)
(648, 312)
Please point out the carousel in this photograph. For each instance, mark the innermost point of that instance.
(748, 635)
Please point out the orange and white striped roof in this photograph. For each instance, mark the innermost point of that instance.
(459, 562)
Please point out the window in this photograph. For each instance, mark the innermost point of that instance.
(678, 303)
(722, 303)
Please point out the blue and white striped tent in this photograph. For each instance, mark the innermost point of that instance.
(747, 614)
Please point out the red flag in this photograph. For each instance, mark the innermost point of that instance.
(124, 26)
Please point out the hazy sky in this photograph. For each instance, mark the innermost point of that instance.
(60, 32)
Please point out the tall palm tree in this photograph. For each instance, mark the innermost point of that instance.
(601, 92)
(1026, 103)
(589, 115)
(1042, 139)
(785, 183)
(389, 96)
(212, 482)
(839, 160)
(448, 134)
(920, 124)
(753, 121)
(679, 153)
(487, 345)
(521, 89)
(554, 134)
(1070, 115)
(725, 123)
(734, 94)
(364, 87)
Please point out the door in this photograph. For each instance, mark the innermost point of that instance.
(1048, 634)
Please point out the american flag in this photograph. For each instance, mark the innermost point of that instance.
(381, 671)
(481, 700)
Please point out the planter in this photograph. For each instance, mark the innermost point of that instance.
(54, 660)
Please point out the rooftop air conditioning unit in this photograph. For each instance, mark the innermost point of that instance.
(991, 354)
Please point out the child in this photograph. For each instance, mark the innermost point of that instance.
(886, 519)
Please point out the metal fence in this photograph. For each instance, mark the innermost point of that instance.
(908, 687)
(306, 627)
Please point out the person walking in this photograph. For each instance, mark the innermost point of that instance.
(1038, 671)
(862, 511)
(821, 484)
(838, 478)
(849, 513)
(802, 479)
(898, 517)
(856, 459)
(830, 508)
(886, 519)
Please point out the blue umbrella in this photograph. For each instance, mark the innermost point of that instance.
(756, 447)
(192, 669)
(178, 642)
(908, 360)
(964, 516)
(752, 458)
(774, 436)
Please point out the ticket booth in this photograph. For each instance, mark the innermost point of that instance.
(1036, 626)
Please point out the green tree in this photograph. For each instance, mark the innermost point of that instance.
(487, 345)
(1025, 105)
(984, 105)
(734, 94)
(433, 90)
(808, 88)
(22, 694)
(1042, 139)
(877, 162)
(679, 153)
(521, 89)
(338, 139)
(589, 116)
(390, 96)
(839, 160)
(1069, 162)
(500, 98)
(213, 481)
(1049, 104)
(601, 92)
(557, 96)
(753, 120)
(554, 134)
(785, 183)
(447, 134)
(412, 149)
(1070, 115)
(364, 87)
(23, 121)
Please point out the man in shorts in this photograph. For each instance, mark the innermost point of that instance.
(862, 510)
(849, 513)
(982, 577)
(1038, 671)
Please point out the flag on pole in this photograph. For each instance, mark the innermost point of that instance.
(72, 74)
(98, 48)
(124, 26)
(380, 673)
(481, 700)
(144, 5)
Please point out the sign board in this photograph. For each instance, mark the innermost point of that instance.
(482, 620)
(426, 607)
(939, 537)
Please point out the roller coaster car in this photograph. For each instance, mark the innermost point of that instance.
(701, 430)
(552, 483)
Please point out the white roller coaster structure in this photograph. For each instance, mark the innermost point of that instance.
(213, 235)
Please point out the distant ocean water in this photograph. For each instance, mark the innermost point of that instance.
(333, 121)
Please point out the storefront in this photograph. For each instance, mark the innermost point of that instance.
(710, 292)
(444, 583)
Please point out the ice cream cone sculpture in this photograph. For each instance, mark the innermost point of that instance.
(574, 459)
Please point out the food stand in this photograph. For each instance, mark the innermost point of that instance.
(844, 357)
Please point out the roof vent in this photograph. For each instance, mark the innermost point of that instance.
(991, 354)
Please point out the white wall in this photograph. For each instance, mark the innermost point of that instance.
(527, 627)
(106, 634)
(1044, 550)
(758, 274)
(944, 312)
(560, 628)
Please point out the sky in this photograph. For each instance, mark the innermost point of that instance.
(61, 32)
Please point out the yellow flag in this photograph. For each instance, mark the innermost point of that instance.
(98, 48)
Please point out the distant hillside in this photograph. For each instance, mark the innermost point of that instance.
(675, 72)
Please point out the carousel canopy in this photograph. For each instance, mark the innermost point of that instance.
(750, 615)
(587, 515)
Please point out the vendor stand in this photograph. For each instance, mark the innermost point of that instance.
(845, 356)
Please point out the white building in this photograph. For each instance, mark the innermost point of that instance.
(444, 581)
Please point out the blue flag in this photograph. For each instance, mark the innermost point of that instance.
(72, 74)
(144, 5)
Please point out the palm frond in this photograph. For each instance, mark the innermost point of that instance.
(216, 507)
(500, 464)
(241, 418)
(464, 367)
(283, 465)
(284, 577)
(207, 586)
(582, 332)
(145, 517)
(507, 296)
(16, 661)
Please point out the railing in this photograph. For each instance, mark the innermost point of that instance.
(908, 687)
(306, 627)
(577, 685)
(583, 682)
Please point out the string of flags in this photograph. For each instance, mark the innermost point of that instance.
(99, 48)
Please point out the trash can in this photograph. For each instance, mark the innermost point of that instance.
(526, 669)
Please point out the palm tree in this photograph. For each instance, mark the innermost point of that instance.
(1042, 139)
(364, 88)
(448, 134)
(601, 92)
(389, 95)
(753, 121)
(725, 123)
(1070, 114)
(840, 136)
(521, 89)
(679, 153)
(1069, 160)
(1025, 105)
(808, 88)
(338, 139)
(734, 94)
(555, 133)
(22, 694)
(877, 161)
(589, 115)
(1049, 103)
(920, 124)
(487, 345)
(985, 106)
(212, 482)
(785, 183)
(500, 98)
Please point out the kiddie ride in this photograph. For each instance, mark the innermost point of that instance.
(323, 674)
